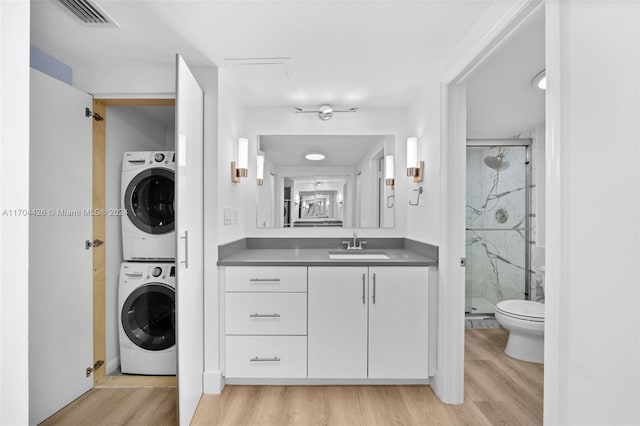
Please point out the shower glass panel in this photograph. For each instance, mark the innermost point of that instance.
(497, 232)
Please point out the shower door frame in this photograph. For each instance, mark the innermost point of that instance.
(526, 143)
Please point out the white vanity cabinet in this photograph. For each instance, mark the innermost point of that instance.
(338, 322)
(398, 322)
(368, 322)
(265, 322)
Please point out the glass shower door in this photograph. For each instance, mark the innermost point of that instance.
(497, 232)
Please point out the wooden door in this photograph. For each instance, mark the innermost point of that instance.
(337, 332)
(398, 322)
(60, 267)
(190, 231)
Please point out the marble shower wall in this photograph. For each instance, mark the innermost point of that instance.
(496, 222)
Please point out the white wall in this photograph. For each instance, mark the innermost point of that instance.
(141, 82)
(14, 194)
(231, 118)
(592, 326)
(127, 129)
(208, 79)
(283, 121)
(423, 121)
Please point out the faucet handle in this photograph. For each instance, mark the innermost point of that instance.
(346, 242)
(362, 243)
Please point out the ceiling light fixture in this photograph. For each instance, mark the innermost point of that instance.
(315, 156)
(325, 112)
(540, 80)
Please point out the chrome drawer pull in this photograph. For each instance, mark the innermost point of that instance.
(256, 315)
(264, 280)
(256, 359)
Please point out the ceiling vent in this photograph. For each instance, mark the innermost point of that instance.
(87, 13)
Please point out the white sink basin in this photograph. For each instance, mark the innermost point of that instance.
(357, 255)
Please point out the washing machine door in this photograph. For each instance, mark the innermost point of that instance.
(149, 200)
(148, 317)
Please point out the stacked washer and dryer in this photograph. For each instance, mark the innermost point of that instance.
(146, 292)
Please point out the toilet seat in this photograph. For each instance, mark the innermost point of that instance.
(526, 310)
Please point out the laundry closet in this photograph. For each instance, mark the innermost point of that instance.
(140, 240)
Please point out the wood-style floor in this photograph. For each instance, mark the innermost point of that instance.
(498, 391)
(120, 406)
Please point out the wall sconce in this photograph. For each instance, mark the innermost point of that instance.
(415, 168)
(241, 169)
(260, 169)
(388, 171)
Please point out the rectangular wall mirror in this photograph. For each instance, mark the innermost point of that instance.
(344, 186)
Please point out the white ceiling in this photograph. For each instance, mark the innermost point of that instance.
(346, 53)
(340, 151)
(501, 102)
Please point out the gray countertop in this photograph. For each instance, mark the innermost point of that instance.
(320, 257)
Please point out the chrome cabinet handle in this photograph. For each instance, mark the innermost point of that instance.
(256, 315)
(256, 359)
(262, 280)
(363, 289)
(186, 250)
(374, 289)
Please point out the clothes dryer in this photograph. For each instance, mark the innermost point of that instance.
(148, 185)
(146, 306)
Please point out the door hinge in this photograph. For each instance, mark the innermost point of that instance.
(97, 365)
(95, 115)
(95, 243)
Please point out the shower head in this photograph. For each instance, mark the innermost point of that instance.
(496, 163)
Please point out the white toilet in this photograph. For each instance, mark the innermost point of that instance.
(525, 321)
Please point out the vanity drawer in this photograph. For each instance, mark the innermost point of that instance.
(266, 356)
(266, 278)
(266, 313)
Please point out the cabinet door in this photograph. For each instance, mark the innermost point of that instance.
(337, 332)
(398, 322)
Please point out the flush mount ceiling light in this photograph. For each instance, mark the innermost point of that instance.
(540, 80)
(325, 112)
(315, 156)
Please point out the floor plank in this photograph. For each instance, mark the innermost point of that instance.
(498, 391)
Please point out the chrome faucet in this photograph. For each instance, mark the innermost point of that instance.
(354, 244)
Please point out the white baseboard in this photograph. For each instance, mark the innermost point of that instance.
(213, 382)
(324, 382)
(112, 365)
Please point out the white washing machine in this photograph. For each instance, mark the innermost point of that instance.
(148, 186)
(146, 306)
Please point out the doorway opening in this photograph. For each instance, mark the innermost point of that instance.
(129, 125)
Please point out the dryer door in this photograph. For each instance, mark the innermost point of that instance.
(148, 317)
(149, 200)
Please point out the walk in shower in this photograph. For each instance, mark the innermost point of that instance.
(497, 223)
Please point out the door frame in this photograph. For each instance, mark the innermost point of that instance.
(479, 45)
(100, 379)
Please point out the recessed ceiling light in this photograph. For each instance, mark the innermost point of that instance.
(314, 156)
(540, 80)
